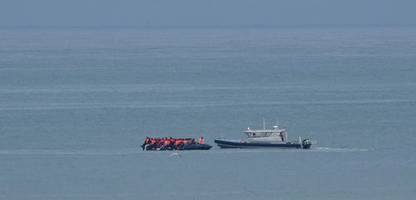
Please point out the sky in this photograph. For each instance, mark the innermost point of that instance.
(20, 13)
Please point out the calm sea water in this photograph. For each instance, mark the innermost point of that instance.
(76, 103)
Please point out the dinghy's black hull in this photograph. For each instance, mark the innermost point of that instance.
(196, 147)
(242, 144)
(186, 147)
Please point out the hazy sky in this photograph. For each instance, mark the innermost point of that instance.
(204, 12)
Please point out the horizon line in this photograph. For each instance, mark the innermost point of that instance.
(199, 26)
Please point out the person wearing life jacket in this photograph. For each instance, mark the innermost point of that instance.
(201, 140)
(153, 143)
(185, 141)
(146, 142)
(166, 144)
(177, 144)
(172, 143)
(160, 142)
(182, 143)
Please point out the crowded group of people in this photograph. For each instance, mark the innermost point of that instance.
(169, 143)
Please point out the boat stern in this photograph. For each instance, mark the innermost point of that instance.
(306, 144)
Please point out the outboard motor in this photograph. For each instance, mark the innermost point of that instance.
(306, 144)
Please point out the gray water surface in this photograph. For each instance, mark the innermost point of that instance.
(75, 104)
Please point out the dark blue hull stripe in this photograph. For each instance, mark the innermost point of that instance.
(231, 144)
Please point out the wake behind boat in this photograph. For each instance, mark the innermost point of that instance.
(264, 138)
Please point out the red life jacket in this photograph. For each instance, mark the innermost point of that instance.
(166, 142)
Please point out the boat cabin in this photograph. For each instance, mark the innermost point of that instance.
(276, 134)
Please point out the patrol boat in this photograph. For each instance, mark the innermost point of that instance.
(265, 138)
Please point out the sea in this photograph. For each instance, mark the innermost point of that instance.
(76, 104)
